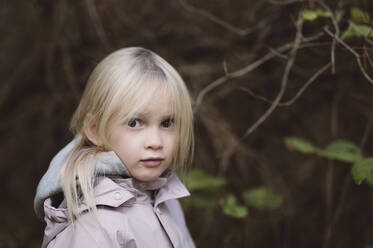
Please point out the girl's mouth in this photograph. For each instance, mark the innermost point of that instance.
(152, 162)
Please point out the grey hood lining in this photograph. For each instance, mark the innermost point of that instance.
(107, 164)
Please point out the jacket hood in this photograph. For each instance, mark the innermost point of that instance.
(107, 163)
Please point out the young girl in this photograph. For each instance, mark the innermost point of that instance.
(112, 186)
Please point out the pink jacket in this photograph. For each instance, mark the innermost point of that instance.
(130, 213)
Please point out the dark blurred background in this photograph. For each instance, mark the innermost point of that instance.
(48, 49)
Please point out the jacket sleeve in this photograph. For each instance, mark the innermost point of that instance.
(90, 231)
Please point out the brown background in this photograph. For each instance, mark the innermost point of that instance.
(48, 49)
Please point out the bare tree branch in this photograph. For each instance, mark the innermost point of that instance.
(367, 131)
(285, 2)
(366, 53)
(236, 74)
(349, 48)
(335, 21)
(225, 67)
(280, 55)
(285, 77)
(298, 94)
(222, 23)
(249, 68)
(357, 29)
(92, 11)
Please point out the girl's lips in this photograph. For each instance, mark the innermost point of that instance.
(153, 162)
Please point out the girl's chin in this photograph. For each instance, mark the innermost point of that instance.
(147, 176)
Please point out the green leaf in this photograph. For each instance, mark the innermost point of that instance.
(359, 16)
(201, 201)
(309, 15)
(357, 31)
(342, 150)
(232, 209)
(199, 180)
(262, 198)
(313, 14)
(300, 145)
(363, 171)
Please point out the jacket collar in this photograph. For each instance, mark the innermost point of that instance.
(174, 189)
(115, 192)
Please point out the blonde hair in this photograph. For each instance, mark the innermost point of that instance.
(118, 88)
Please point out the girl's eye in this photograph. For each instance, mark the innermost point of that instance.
(169, 123)
(133, 123)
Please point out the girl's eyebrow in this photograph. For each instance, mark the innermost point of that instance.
(143, 115)
(168, 115)
(139, 115)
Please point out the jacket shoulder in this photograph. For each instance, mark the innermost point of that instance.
(106, 226)
(101, 229)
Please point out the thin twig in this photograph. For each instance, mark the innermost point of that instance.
(368, 41)
(259, 97)
(330, 168)
(349, 48)
(280, 55)
(357, 29)
(249, 68)
(298, 94)
(338, 212)
(367, 131)
(92, 11)
(225, 67)
(337, 32)
(307, 84)
(236, 74)
(313, 37)
(285, 77)
(285, 2)
(222, 23)
(366, 53)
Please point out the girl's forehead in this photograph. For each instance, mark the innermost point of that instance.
(161, 102)
(160, 108)
(149, 100)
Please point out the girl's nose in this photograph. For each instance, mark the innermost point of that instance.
(153, 139)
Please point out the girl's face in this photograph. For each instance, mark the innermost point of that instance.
(146, 144)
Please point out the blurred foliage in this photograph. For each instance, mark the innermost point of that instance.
(342, 150)
(198, 180)
(208, 190)
(357, 16)
(358, 31)
(205, 189)
(232, 208)
(363, 171)
(313, 14)
(262, 198)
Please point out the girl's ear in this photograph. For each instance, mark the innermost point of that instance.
(90, 129)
